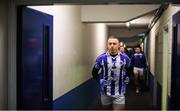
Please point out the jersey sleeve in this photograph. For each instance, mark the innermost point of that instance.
(96, 69)
(132, 61)
(98, 63)
(128, 61)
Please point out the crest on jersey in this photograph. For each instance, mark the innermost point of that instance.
(121, 62)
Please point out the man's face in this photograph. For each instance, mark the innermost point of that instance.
(113, 45)
(121, 49)
(138, 50)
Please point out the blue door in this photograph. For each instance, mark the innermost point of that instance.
(175, 81)
(35, 59)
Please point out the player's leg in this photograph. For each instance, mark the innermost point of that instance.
(141, 73)
(141, 77)
(119, 103)
(118, 106)
(136, 78)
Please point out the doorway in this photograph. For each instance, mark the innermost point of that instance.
(175, 77)
(34, 59)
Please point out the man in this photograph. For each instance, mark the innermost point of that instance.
(139, 63)
(128, 70)
(122, 50)
(112, 64)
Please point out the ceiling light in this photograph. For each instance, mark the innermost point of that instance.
(124, 45)
(121, 43)
(127, 24)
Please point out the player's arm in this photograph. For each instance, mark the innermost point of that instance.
(128, 61)
(96, 69)
(127, 65)
(132, 61)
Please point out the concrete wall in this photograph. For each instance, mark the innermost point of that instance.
(3, 54)
(76, 45)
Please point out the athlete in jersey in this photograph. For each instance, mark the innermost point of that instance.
(111, 79)
(112, 70)
(122, 50)
(139, 60)
(128, 69)
(139, 63)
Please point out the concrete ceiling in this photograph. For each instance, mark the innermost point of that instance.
(139, 22)
(116, 18)
(115, 1)
(116, 13)
(130, 35)
(122, 32)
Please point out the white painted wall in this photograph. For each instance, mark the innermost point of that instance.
(3, 55)
(12, 49)
(95, 39)
(76, 46)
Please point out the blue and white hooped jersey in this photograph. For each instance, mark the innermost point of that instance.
(112, 69)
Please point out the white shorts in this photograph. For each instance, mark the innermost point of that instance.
(139, 71)
(107, 100)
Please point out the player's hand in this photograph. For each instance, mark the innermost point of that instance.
(103, 82)
(145, 69)
(126, 80)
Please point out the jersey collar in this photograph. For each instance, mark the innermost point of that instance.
(108, 54)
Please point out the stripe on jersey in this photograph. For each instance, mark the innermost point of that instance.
(116, 87)
(120, 80)
(109, 61)
(105, 73)
(117, 82)
(112, 75)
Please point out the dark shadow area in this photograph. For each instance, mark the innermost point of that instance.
(141, 101)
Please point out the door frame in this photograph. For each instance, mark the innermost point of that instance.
(165, 70)
(13, 56)
(19, 54)
(174, 48)
(47, 75)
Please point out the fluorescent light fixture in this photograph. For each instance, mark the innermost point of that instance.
(121, 43)
(124, 45)
(141, 34)
(127, 24)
